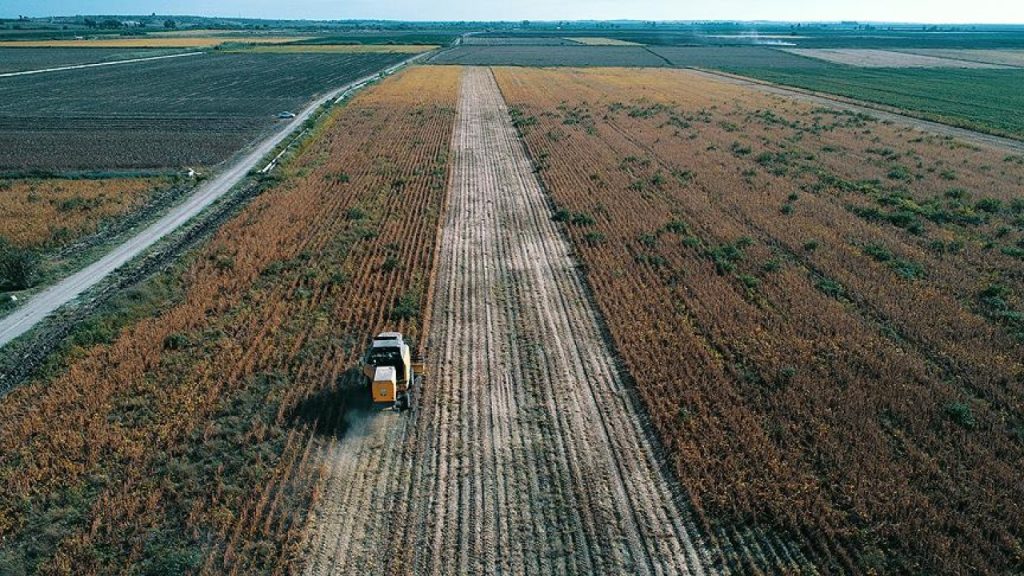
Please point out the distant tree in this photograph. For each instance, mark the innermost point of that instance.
(90, 23)
(170, 23)
(110, 24)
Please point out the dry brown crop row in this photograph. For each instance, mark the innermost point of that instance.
(818, 309)
(186, 444)
(38, 213)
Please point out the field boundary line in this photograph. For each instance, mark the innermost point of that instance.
(879, 111)
(660, 57)
(49, 300)
(97, 64)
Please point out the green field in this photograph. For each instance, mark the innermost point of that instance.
(435, 38)
(986, 100)
(804, 35)
(990, 101)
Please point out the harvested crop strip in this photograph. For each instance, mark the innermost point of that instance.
(527, 453)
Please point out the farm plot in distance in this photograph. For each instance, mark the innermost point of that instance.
(21, 59)
(543, 55)
(150, 42)
(983, 100)
(174, 113)
(378, 38)
(822, 312)
(730, 57)
(871, 58)
(336, 48)
(974, 95)
(516, 41)
(599, 41)
(186, 443)
(825, 35)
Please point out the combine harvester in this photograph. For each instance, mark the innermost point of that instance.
(391, 372)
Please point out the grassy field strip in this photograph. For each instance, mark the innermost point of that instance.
(95, 64)
(877, 110)
(45, 213)
(870, 58)
(146, 42)
(48, 301)
(588, 41)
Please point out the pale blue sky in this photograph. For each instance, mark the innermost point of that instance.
(939, 11)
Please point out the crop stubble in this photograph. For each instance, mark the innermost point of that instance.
(527, 452)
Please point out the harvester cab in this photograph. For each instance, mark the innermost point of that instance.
(391, 373)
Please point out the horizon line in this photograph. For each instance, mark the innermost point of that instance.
(519, 21)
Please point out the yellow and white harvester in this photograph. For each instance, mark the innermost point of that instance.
(391, 372)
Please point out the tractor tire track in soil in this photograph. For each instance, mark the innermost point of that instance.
(527, 452)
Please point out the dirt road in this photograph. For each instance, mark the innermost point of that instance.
(23, 318)
(527, 453)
